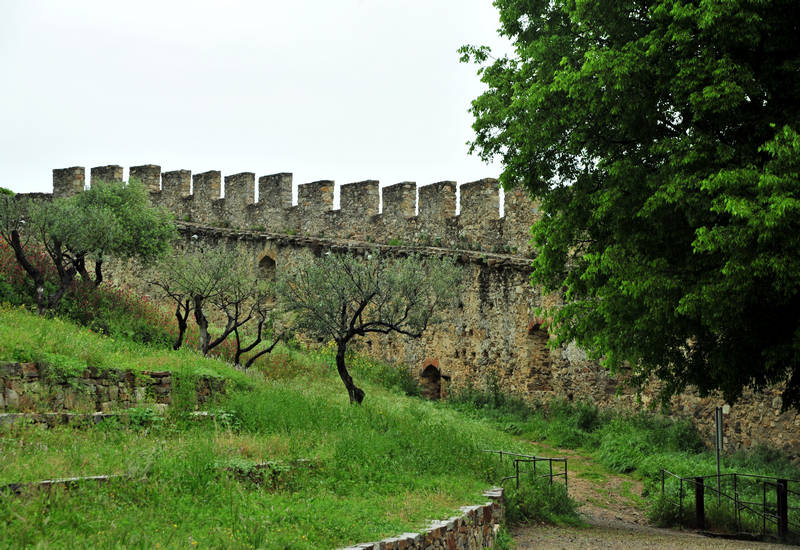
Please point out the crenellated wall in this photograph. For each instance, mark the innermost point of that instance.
(491, 335)
(432, 220)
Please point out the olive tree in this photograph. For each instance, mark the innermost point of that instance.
(108, 220)
(339, 297)
(225, 281)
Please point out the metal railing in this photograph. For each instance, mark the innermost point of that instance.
(525, 466)
(740, 490)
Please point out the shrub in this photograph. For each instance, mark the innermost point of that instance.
(539, 501)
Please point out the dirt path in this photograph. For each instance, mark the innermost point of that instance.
(613, 509)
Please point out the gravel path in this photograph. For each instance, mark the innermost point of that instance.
(612, 509)
(619, 534)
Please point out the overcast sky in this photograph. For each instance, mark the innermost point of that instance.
(326, 89)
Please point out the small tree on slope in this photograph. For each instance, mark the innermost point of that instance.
(108, 220)
(339, 297)
(223, 280)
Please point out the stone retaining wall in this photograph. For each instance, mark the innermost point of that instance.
(31, 387)
(475, 528)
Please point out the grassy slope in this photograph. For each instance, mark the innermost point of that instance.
(70, 349)
(376, 470)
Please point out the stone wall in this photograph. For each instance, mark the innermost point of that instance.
(431, 220)
(474, 529)
(29, 387)
(492, 336)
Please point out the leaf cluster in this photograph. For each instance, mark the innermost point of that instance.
(338, 296)
(661, 139)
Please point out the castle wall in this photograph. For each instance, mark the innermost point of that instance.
(492, 335)
(431, 220)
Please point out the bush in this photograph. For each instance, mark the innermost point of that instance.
(539, 501)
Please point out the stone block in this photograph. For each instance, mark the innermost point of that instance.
(149, 175)
(275, 191)
(12, 399)
(68, 181)
(29, 370)
(107, 174)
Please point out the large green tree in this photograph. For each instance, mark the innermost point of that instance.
(661, 138)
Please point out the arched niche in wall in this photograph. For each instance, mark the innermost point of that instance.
(538, 351)
(432, 382)
(266, 268)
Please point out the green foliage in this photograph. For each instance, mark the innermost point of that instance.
(4, 191)
(337, 297)
(55, 241)
(625, 443)
(539, 501)
(504, 541)
(380, 293)
(661, 139)
(119, 221)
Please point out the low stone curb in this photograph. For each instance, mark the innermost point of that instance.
(47, 484)
(262, 472)
(476, 528)
(52, 419)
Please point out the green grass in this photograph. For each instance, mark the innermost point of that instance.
(376, 470)
(68, 349)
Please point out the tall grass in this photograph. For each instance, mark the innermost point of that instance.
(369, 472)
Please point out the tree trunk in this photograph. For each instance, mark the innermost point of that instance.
(33, 273)
(182, 317)
(356, 394)
(202, 324)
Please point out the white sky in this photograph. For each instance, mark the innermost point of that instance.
(326, 89)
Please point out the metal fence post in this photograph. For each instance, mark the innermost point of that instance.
(699, 503)
(736, 504)
(783, 507)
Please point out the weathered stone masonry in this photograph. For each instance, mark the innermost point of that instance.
(492, 335)
(474, 529)
(26, 387)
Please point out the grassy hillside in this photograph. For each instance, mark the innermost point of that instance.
(340, 474)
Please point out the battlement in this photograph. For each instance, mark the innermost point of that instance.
(430, 219)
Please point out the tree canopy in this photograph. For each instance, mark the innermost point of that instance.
(339, 297)
(224, 280)
(109, 220)
(661, 137)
